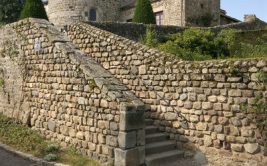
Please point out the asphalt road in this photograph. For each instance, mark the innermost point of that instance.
(10, 159)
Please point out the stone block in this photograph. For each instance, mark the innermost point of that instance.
(52, 125)
(142, 69)
(207, 140)
(170, 116)
(140, 137)
(127, 140)
(131, 119)
(129, 157)
(201, 126)
(80, 135)
(252, 148)
(237, 147)
(112, 141)
(206, 105)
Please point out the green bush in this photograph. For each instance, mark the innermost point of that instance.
(33, 8)
(203, 44)
(198, 44)
(150, 38)
(9, 11)
(144, 12)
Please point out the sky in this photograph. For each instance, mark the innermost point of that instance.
(238, 8)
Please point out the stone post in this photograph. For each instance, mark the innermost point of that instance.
(131, 151)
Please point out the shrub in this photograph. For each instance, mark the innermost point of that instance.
(9, 11)
(33, 8)
(202, 44)
(144, 12)
(196, 44)
(150, 37)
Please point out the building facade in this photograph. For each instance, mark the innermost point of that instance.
(167, 12)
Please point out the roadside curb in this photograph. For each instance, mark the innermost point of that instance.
(29, 157)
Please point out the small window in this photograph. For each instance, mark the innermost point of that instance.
(159, 18)
(129, 20)
(202, 6)
(92, 16)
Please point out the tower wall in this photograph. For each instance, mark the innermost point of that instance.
(200, 12)
(62, 12)
(172, 11)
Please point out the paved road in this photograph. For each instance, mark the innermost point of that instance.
(10, 159)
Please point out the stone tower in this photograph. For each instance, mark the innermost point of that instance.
(62, 12)
(201, 12)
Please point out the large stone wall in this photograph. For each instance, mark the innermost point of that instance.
(137, 31)
(67, 96)
(202, 104)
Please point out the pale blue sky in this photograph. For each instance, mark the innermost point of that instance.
(238, 8)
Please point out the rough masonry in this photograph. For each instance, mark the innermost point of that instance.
(200, 104)
(54, 88)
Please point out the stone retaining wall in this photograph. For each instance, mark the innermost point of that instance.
(67, 96)
(202, 104)
(134, 31)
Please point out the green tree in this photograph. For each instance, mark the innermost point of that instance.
(144, 12)
(9, 11)
(33, 8)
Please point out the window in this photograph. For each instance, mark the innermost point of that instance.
(92, 15)
(129, 20)
(202, 6)
(159, 18)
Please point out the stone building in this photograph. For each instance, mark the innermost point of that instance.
(167, 12)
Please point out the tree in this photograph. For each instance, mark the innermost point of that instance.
(9, 10)
(33, 8)
(144, 12)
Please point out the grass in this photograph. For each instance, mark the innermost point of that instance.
(27, 140)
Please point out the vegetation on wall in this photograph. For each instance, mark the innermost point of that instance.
(204, 44)
(33, 8)
(9, 11)
(144, 12)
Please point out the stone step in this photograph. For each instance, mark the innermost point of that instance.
(151, 129)
(150, 138)
(159, 147)
(149, 122)
(162, 159)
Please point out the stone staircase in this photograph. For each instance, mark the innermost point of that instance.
(160, 150)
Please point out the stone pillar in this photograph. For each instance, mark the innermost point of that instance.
(131, 151)
(250, 18)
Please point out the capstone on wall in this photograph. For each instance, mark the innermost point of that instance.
(200, 104)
